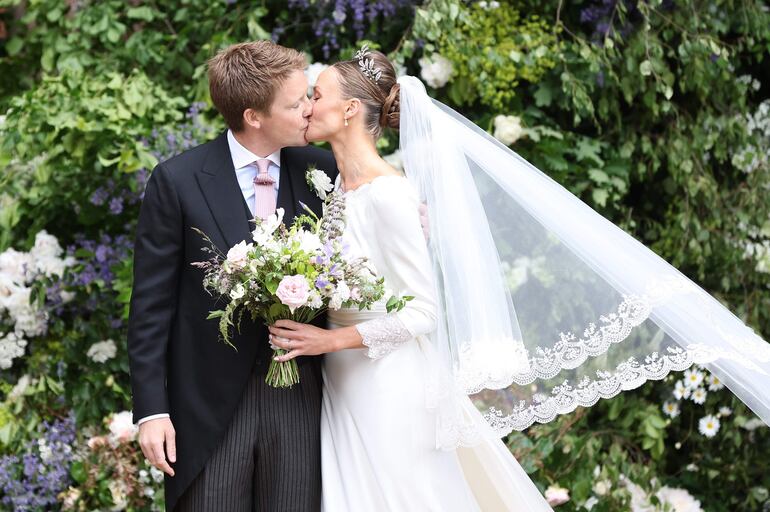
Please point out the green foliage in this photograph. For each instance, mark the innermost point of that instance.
(66, 137)
(492, 49)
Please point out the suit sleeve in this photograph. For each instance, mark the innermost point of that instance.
(158, 259)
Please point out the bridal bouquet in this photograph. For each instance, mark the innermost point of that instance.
(292, 273)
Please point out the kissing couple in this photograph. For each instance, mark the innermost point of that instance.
(400, 411)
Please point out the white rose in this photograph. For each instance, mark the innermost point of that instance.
(320, 182)
(238, 255)
(507, 129)
(46, 246)
(556, 495)
(312, 72)
(122, 428)
(679, 499)
(602, 487)
(308, 242)
(102, 351)
(436, 70)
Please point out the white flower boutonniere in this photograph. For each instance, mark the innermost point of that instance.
(319, 181)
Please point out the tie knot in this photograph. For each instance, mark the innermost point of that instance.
(263, 178)
(263, 164)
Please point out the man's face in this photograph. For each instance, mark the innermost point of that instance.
(287, 123)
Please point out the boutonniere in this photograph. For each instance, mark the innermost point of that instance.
(319, 181)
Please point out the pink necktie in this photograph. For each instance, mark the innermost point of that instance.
(264, 191)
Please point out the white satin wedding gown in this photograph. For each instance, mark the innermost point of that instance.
(378, 437)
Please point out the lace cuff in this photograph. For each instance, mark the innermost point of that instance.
(383, 335)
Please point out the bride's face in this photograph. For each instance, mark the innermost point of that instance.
(327, 118)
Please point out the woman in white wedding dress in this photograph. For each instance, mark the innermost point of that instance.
(382, 413)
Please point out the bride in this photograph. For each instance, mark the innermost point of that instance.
(502, 328)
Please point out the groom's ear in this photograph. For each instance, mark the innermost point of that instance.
(253, 118)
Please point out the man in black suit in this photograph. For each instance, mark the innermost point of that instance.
(225, 439)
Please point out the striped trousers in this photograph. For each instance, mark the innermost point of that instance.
(269, 459)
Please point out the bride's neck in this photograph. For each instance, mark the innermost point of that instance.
(357, 159)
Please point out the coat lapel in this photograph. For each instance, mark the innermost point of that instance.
(286, 192)
(223, 194)
(301, 192)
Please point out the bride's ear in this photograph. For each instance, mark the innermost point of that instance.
(352, 106)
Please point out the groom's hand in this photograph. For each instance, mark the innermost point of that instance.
(157, 438)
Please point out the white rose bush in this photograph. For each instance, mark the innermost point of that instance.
(294, 273)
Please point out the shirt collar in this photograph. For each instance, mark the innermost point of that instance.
(243, 157)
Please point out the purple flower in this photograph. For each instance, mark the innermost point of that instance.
(322, 282)
(99, 196)
(34, 480)
(116, 205)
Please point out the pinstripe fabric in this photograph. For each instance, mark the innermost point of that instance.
(269, 459)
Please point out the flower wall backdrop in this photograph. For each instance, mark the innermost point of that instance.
(656, 113)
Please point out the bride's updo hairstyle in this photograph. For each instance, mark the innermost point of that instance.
(377, 90)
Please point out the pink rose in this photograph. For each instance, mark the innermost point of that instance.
(293, 291)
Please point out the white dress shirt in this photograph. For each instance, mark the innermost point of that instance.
(245, 172)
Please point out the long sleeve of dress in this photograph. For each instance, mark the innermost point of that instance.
(401, 244)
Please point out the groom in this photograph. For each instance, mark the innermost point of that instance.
(226, 440)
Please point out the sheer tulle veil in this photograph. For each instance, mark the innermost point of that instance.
(545, 304)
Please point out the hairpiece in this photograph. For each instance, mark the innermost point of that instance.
(367, 64)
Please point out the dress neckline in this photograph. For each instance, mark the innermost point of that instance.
(364, 185)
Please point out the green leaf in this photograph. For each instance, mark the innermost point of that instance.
(78, 472)
(645, 68)
(14, 46)
(141, 13)
(543, 95)
(600, 196)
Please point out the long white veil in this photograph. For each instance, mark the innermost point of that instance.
(548, 306)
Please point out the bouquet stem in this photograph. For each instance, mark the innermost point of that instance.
(282, 375)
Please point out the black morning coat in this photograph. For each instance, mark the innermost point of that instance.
(178, 364)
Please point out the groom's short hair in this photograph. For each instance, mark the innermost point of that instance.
(247, 75)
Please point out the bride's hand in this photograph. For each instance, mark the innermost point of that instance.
(301, 339)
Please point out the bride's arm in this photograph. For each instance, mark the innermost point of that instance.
(402, 247)
(395, 210)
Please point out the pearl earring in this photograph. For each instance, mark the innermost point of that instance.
(346, 121)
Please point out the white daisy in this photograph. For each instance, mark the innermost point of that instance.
(714, 383)
(699, 396)
(671, 409)
(693, 378)
(708, 425)
(725, 411)
(681, 391)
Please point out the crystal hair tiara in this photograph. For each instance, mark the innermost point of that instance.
(367, 64)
